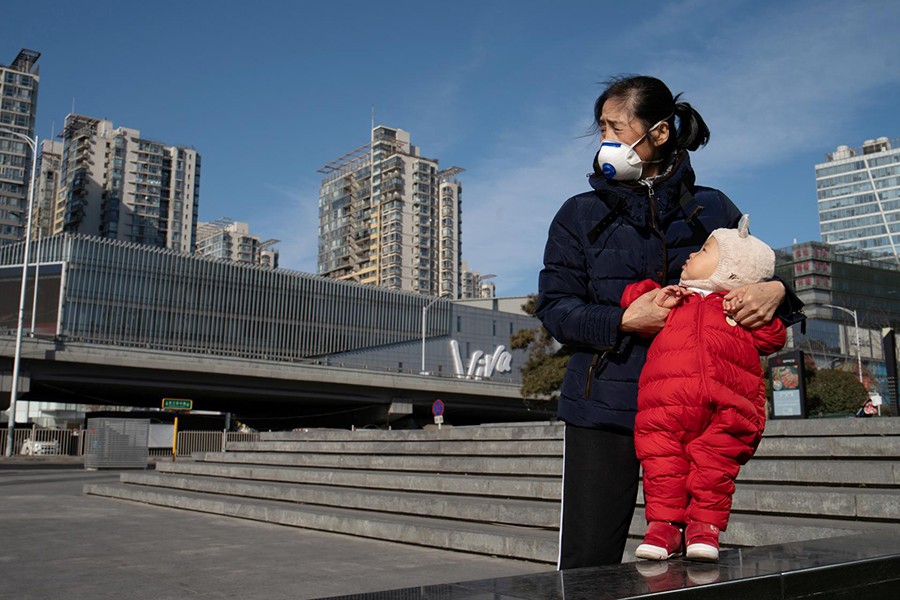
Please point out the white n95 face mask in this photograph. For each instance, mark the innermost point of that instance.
(619, 161)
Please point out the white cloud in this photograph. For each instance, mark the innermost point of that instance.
(770, 80)
(786, 79)
(293, 220)
(509, 201)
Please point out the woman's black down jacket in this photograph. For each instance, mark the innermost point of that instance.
(599, 242)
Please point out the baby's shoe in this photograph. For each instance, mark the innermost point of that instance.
(658, 577)
(702, 541)
(662, 541)
(702, 573)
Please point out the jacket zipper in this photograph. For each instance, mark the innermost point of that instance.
(662, 275)
(702, 348)
(596, 362)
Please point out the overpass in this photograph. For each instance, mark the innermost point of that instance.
(122, 324)
(284, 393)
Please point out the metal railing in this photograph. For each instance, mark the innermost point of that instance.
(35, 441)
(204, 441)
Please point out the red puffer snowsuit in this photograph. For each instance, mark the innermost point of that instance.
(701, 408)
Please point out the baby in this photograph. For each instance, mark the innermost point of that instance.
(702, 397)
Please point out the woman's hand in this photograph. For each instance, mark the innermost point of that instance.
(643, 316)
(754, 305)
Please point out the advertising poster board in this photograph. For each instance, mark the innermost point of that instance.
(50, 277)
(788, 389)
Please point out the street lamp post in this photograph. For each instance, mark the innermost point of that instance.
(856, 327)
(14, 386)
(37, 275)
(425, 308)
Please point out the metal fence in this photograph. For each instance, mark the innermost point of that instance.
(116, 443)
(34, 441)
(205, 441)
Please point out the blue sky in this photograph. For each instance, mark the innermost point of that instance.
(270, 91)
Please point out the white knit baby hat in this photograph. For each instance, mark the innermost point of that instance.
(743, 259)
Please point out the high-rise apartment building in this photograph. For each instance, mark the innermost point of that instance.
(18, 107)
(858, 191)
(49, 162)
(118, 185)
(390, 217)
(233, 241)
(476, 285)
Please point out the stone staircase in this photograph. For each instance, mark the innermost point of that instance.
(495, 489)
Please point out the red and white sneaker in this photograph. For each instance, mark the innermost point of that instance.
(662, 541)
(702, 541)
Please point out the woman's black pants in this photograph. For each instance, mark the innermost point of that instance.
(600, 483)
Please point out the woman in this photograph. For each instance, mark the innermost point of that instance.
(643, 219)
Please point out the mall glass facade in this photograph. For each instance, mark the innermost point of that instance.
(124, 294)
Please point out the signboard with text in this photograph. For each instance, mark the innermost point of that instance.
(177, 404)
(788, 390)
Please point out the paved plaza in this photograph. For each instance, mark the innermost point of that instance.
(58, 543)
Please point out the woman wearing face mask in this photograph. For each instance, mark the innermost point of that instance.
(643, 218)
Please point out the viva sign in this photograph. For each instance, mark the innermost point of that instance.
(481, 365)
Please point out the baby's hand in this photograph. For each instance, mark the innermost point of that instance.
(671, 296)
(731, 305)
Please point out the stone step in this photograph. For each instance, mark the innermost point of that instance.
(509, 431)
(874, 426)
(870, 447)
(546, 488)
(838, 502)
(872, 439)
(822, 472)
(496, 540)
(758, 530)
(543, 466)
(435, 447)
(841, 427)
(513, 541)
(496, 490)
(761, 470)
(527, 513)
(847, 503)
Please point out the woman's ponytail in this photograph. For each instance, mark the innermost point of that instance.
(691, 131)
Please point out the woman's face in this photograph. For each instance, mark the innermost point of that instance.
(617, 124)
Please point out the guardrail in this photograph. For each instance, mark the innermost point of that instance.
(204, 441)
(34, 441)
